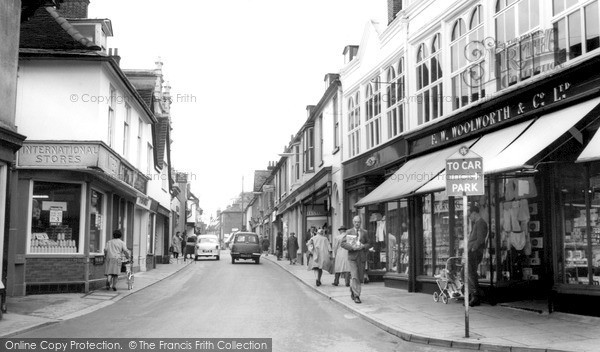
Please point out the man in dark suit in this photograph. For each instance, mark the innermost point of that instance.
(476, 246)
(357, 256)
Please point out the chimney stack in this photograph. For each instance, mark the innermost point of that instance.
(74, 8)
(394, 6)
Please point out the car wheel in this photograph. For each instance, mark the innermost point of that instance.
(257, 260)
(195, 258)
(218, 258)
(232, 260)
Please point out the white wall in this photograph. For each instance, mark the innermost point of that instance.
(68, 100)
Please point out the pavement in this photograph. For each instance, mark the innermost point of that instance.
(413, 317)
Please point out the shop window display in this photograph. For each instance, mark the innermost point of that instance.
(518, 224)
(96, 221)
(376, 228)
(397, 236)
(579, 192)
(55, 218)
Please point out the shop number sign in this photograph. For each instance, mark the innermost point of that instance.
(464, 174)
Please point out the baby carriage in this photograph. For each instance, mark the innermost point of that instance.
(450, 281)
(129, 273)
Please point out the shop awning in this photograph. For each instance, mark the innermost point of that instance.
(543, 132)
(592, 151)
(488, 147)
(410, 177)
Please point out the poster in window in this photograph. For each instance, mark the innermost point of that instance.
(56, 216)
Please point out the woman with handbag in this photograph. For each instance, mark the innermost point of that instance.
(113, 251)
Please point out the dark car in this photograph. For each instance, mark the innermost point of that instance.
(245, 245)
(190, 246)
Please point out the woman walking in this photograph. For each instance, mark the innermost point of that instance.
(320, 258)
(292, 248)
(113, 251)
(176, 245)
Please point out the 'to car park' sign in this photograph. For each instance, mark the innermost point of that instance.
(464, 174)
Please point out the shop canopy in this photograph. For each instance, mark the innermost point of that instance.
(488, 147)
(505, 150)
(410, 177)
(544, 131)
(592, 151)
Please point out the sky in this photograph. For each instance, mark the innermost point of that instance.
(241, 74)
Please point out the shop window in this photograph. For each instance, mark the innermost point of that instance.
(55, 218)
(396, 224)
(97, 222)
(520, 254)
(150, 234)
(376, 228)
(579, 196)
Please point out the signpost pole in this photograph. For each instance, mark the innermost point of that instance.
(466, 255)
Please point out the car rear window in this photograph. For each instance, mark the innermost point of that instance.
(246, 238)
(191, 240)
(208, 240)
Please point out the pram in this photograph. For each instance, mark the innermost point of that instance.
(450, 281)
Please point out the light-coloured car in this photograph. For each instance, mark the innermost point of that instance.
(208, 246)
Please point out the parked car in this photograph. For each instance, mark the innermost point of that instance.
(208, 246)
(245, 245)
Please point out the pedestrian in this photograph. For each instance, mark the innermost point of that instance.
(292, 247)
(340, 255)
(320, 259)
(311, 233)
(279, 245)
(176, 245)
(183, 243)
(113, 252)
(476, 246)
(357, 243)
(265, 245)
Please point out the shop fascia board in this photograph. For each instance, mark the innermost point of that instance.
(102, 158)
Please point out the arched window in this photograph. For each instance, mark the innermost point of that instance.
(467, 57)
(354, 125)
(395, 99)
(429, 81)
(373, 113)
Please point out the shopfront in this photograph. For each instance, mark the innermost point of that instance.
(540, 150)
(363, 175)
(72, 196)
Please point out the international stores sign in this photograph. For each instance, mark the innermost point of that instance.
(464, 174)
(80, 156)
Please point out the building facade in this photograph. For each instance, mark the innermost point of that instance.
(84, 170)
(514, 82)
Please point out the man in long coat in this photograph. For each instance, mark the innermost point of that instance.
(320, 259)
(357, 256)
(342, 267)
(292, 247)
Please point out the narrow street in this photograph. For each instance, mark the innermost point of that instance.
(217, 299)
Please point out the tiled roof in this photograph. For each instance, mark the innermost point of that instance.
(260, 176)
(48, 30)
(147, 95)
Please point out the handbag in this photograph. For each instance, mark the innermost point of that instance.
(170, 248)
